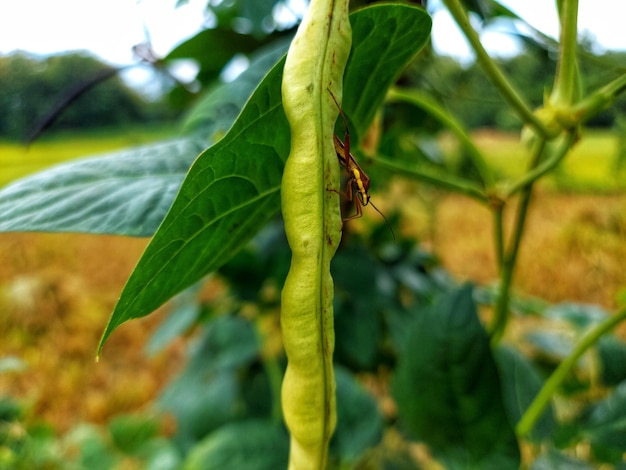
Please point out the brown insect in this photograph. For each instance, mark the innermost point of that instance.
(357, 179)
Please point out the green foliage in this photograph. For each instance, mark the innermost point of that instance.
(30, 88)
(447, 363)
(471, 400)
(240, 193)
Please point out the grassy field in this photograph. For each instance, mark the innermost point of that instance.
(18, 160)
(591, 166)
(57, 290)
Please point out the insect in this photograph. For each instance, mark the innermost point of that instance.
(357, 178)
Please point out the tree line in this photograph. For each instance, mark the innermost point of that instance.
(65, 92)
(33, 89)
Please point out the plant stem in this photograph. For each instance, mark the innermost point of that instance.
(497, 212)
(433, 108)
(452, 183)
(493, 72)
(565, 90)
(598, 100)
(534, 411)
(546, 166)
(509, 257)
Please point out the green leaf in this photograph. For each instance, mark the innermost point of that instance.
(359, 423)
(578, 315)
(233, 187)
(217, 109)
(208, 393)
(385, 39)
(604, 425)
(520, 384)
(612, 353)
(222, 43)
(229, 342)
(554, 460)
(127, 192)
(131, 432)
(447, 387)
(249, 445)
(357, 316)
(201, 404)
(186, 310)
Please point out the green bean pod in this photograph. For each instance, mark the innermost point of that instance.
(310, 204)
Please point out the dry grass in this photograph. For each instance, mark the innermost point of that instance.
(58, 291)
(56, 294)
(573, 248)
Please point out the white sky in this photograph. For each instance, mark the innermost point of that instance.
(110, 28)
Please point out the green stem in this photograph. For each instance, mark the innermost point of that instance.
(493, 72)
(546, 166)
(439, 180)
(565, 90)
(509, 258)
(429, 105)
(498, 226)
(536, 408)
(598, 100)
(275, 377)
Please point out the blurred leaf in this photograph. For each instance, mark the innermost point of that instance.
(185, 310)
(233, 187)
(385, 39)
(131, 432)
(447, 387)
(578, 315)
(208, 393)
(229, 342)
(612, 353)
(488, 9)
(359, 423)
(126, 193)
(161, 454)
(357, 316)
(384, 458)
(12, 364)
(603, 423)
(201, 403)
(555, 345)
(94, 453)
(249, 445)
(554, 460)
(253, 16)
(218, 108)
(10, 410)
(520, 384)
(212, 49)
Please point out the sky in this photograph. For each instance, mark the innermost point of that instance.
(110, 28)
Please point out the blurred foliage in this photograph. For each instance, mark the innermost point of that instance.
(397, 313)
(31, 88)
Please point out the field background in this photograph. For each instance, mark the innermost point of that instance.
(57, 290)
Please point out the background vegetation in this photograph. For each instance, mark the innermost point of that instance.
(215, 358)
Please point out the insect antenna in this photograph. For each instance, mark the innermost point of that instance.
(385, 218)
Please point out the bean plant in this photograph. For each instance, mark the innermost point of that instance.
(353, 307)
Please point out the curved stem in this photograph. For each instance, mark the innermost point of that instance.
(452, 183)
(565, 90)
(509, 257)
(493, 72)
(498, 227)
(536, 408)
(546, 166)
(434, 109)
(598, 100)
